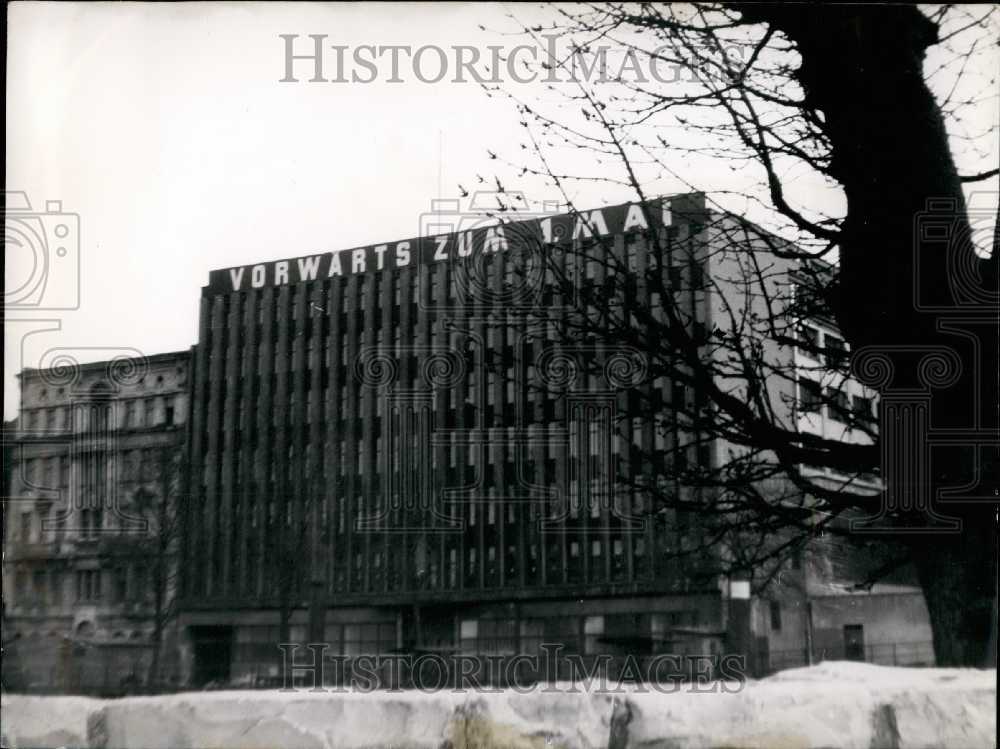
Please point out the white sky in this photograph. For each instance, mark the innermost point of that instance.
(165, 128)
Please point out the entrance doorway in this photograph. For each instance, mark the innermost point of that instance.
(854, 642)
(213, 653)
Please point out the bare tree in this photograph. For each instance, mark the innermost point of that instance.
(162, 509)
(846, 101)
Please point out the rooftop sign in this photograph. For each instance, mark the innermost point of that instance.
(468, 234)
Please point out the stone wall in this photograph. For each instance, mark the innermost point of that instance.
(834, 705)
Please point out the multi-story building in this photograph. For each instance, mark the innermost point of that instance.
(392, 441)
(827, 605)
(94, 475)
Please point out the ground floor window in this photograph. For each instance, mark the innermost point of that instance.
(489, 636)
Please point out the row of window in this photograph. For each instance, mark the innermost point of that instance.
(835, 403)
(42, 393)
(816, 343)
(121, 584)
(535, 458)
(500, 340)
(42, 526)
(133, 413)
(587, 634)
(87, 523)
(390, 567)
(486, 636)
(53, 472)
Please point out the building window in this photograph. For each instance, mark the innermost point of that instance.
(836, 349)
(840, 408)
(121, 584)
(808, 336)
(63, 471)
(862, 409)
(55, 588)
(88, 585)
(489, 636)
(369, 638)
(150, 407)
(20, 585)
(100, 416)
(810, 397)
(632, 253)
(140, 578)
(469, 634)
(675, 276)
(92, 521)
(38, 586)
(43, 521)
(680, 395)
(776, 616)
(593, 630)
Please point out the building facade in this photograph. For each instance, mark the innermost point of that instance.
(94, 462)
(823, 607)
(391, 443)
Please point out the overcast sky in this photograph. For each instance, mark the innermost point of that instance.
(165, 128)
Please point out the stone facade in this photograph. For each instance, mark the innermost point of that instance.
(95, 470)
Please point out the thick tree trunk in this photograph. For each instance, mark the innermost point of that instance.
(862, 67)
(958, 575)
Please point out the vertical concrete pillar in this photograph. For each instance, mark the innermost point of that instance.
(185, 656)
(739, 630)
(317, 612)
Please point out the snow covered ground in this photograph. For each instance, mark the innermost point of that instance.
(833, 705)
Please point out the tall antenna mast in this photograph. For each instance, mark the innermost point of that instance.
(440, 152)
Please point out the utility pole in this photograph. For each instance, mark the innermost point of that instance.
(809, 631)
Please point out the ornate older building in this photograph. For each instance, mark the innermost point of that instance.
(95, 477)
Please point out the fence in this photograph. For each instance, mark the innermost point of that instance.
(883, 654)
